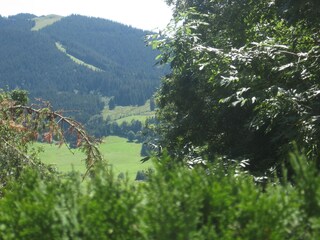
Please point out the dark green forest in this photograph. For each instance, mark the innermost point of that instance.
(30, 60)
(236, 133)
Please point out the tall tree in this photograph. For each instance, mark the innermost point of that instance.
(244, 80)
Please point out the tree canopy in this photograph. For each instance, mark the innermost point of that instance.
(244, 81)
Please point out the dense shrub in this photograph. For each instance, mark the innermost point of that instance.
(110, 209)
(36, 208)
(218, 202)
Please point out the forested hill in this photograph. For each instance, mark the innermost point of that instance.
(77, 59)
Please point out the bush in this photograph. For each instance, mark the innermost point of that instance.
(37, 208)
(220, 202)
(110, 209)
(216, 204)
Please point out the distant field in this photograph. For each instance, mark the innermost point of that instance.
(128, 113)
(41, 22)
(120, 154)
(141, 118)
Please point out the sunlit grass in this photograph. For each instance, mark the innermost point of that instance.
(121, 155)
(128, 113)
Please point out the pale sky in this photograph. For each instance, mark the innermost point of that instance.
(143, 14)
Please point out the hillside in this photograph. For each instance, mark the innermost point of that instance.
(59, 61)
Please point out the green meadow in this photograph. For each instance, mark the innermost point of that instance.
(128, 113)
(121, 155)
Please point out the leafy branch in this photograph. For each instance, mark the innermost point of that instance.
(32, 123)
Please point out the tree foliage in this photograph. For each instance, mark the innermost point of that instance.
(21, 124)
(244, 79)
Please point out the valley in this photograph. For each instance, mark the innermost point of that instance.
(97, 71)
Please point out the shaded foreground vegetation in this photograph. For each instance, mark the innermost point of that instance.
(220, 202)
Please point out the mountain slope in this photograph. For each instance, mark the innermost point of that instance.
(105, 42)
(31, 60)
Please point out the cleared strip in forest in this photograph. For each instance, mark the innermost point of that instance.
(61, 48)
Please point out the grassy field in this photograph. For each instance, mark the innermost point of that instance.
(141, 118)
(41, 22)
(128, 113)
(121, 155)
